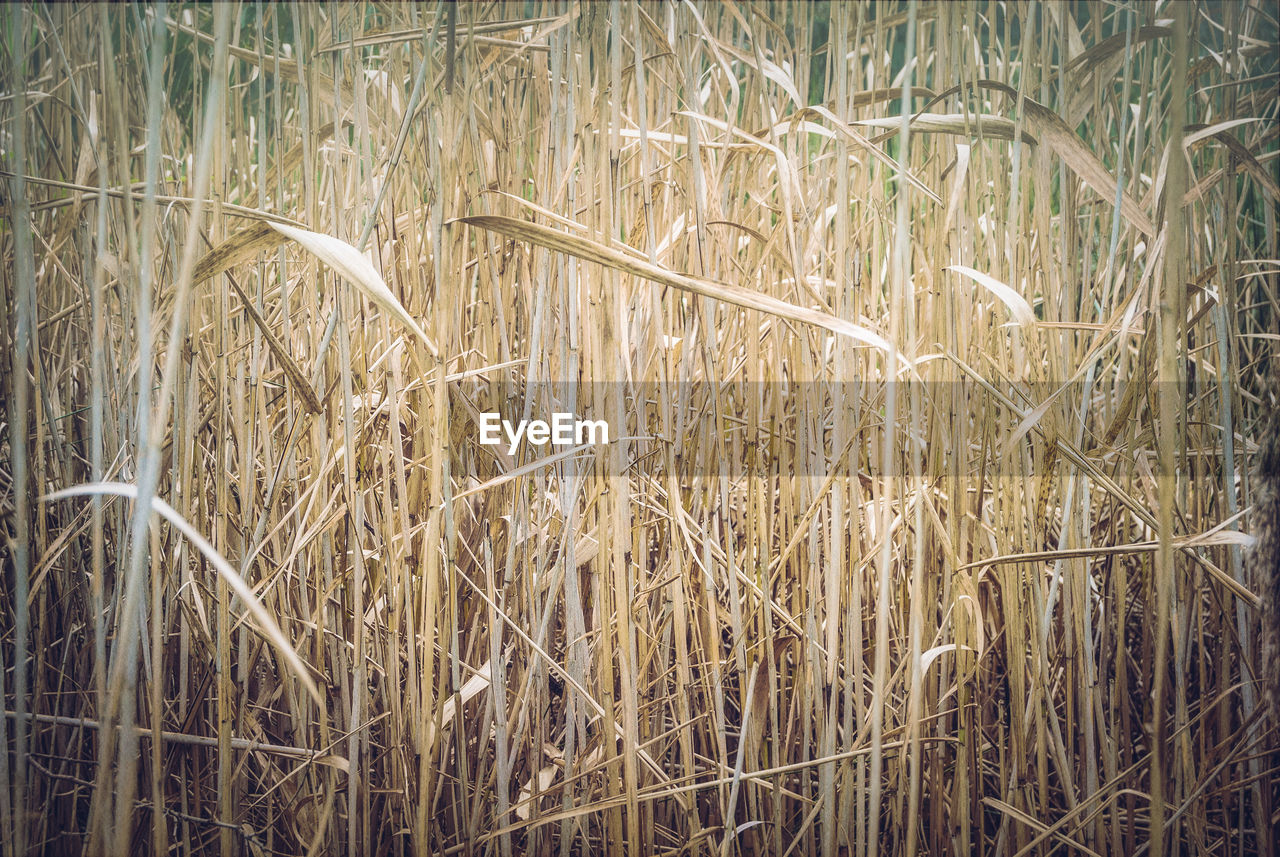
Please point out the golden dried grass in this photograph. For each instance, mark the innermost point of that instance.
(979, 588)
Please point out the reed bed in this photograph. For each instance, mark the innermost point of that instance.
(935, 340)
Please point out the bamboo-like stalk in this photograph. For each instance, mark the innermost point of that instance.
(1172, 301)
(23, 292)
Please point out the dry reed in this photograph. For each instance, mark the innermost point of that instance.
(934, 338)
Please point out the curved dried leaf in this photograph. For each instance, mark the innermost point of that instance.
(240, 247)
(1245, 162)
(1017, 304)
(1085, 62)
(591, 251)
(1213, 130)
(1050, 128)
(266, 624)
(927, 658)
(356, 268)
(992, 126)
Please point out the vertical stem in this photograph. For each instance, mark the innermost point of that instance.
(905, 300)
(20, 360)
(1169, 385)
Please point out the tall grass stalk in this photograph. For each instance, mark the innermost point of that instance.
(22, 301)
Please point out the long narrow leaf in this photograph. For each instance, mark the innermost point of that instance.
(592, 251)
(266, 624)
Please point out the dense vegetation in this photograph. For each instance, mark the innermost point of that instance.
(935, 339)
